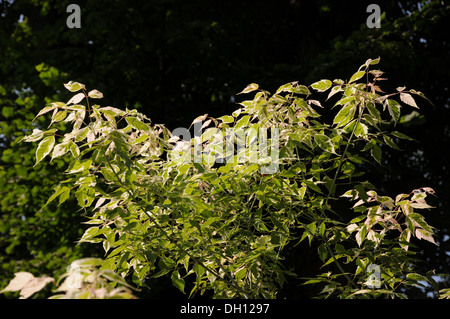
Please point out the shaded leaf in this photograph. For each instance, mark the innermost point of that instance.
(402, 136)
(390, 142)
(376, 153)
(226, 119)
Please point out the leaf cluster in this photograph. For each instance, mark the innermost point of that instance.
(215, 217)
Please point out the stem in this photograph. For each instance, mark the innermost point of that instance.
(333, 184)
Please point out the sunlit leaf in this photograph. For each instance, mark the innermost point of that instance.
(393, 108)
(95, 94)
(251, 87)
(226, 119)
(408, 99)
(44, 148)
(74, 86)
(19, 281)
(357, 76)
(35, 136)
(77, 98)
(402, 136)
(243, 122)
(334, 90)
(137, 123)
(345, 115)
(321, 85)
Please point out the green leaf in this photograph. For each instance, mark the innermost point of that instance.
(140, 139)
(372, 61)
(108, 174)
(361, 235)
(373, 111)
(402, 136)
(79, 166)
(226, 119)
(160, 273)
(393, 108)
(44, 148)
(65, 193)
(183, 169)
(60, 150)
(242, 122)
(324, 142)
(361, 192)
(369, 144)
(177, 281)
(334, 90)
(376, 153)
(74, 86)
(301, 89)
(8, 111)
(345, 100)
(361, 130)
(241, 273)
(390, 142)
(74, 149)
(314, 187)
(345, 115)
(116, 278)
(321, 85)
(34, 137)
(58, 116)
(357, 76)
(323, 253)
(137, 124)
(49, 108)
(322, 228)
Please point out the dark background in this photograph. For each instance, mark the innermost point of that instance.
(176, 60)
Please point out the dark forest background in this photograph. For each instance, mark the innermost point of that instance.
(175, 60)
